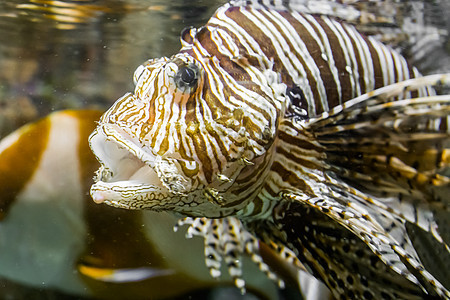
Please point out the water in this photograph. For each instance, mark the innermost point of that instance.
(82, 53)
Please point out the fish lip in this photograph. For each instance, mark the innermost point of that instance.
(113, 133)
(122, 159)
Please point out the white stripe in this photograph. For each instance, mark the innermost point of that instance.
(246, 40)
(344, 49)
(218, 36)
(390, 64)
(365, 57)
(244, 94)
(12, 138)
(302, 50)
(353, 67)
(324, 45)
(279, 44)
(60, 126)
(165, 101)
(382, 59)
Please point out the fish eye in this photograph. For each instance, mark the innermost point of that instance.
(187, 76)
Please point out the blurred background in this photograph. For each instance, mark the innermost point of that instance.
(82, 53)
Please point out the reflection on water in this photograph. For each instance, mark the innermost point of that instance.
(82, 53)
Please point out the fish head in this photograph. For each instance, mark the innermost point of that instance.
(192, 138)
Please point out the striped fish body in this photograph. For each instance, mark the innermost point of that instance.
(278, 116)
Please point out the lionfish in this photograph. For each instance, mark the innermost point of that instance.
(283, 123)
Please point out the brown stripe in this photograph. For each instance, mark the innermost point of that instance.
(270, 191)
(217, 136)
(298, 160)
(323, 66)
(359, 65)
(243, 79)
(290, 177)
(200, 149)
(258, 205)
(251, 174)
(19, 161)
(300, 143)
(378, 73)
(261, 38)
(339, 60)
(312, 80)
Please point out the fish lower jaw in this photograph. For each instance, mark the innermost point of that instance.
(127, 176)
(127, 194)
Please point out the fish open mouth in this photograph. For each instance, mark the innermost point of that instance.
(127, 176)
